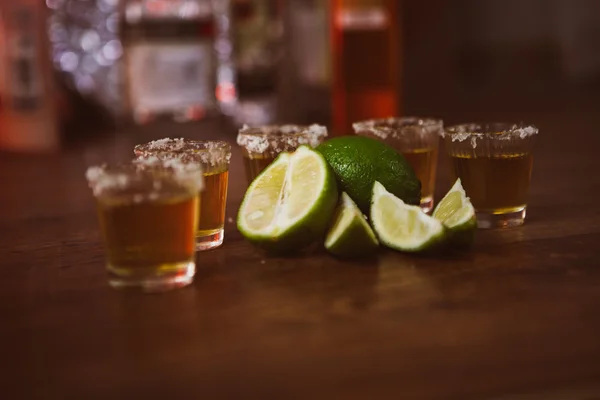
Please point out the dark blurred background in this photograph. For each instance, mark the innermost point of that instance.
(266, 61)
(496, 58)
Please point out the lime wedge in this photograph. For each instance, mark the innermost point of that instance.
(288, 206)
(401, 226)
(457, 214)
(350, 235)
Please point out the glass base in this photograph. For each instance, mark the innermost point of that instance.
(486, 220)
(210, 241)
(150, 279)
(427, 204)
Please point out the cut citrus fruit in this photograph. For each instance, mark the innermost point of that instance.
(457, 213)
(401, 226)
(350, 235)
(289, 205)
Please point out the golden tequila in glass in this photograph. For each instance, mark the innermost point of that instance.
(212, 205)
(214, 156)
(255, 164)
(494, 163)
(424, 163)
(417, 139)
(261, 145)
(148, 218)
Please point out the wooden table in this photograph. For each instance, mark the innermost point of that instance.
(517, 315)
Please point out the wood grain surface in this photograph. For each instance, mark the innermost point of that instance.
(517, 317)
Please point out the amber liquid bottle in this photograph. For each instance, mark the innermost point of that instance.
(28, 110)
(366, 47)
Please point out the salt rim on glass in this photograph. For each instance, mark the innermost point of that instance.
(492, 131)
(279, 137)
(207, 152)
(392, 127)
(120, 176)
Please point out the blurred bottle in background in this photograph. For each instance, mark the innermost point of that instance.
(169, 65)
(257, 61)
(258, 32)
(28, 101)
(366, 61)
(306, 86)
(224, 50)
(578, 38)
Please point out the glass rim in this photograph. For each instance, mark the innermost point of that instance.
(213, 152)
(491, 130)
(181, 145)
(120, 176)
(260, 138)
(401, 121)
(394, 126)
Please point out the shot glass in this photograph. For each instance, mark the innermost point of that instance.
(493, 162)
(418, 141)
(214, 157)
(261, 145)
(148, 216)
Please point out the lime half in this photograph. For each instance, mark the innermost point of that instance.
(401, 226)
(289, 205)
(456, 212)
(350, 235)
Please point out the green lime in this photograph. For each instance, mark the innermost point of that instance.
(289, 205)
(401, 226)
(360, 161)
(350, 235)
(458, 215)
